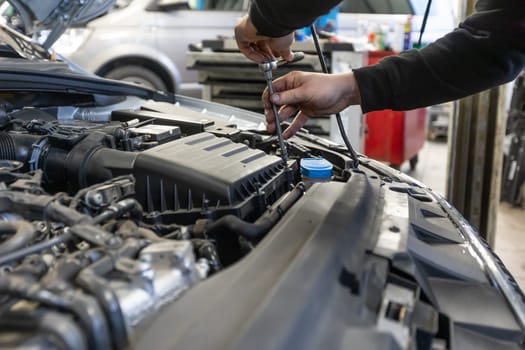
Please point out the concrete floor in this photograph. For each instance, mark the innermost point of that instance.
(510, 230)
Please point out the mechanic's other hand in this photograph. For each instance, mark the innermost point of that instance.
(261, 48)
(309, 95)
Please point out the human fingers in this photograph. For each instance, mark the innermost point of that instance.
(263, 46)
(253, 54)
(253, 50)
(286, 55)
(249, 43)
(290, 97)
(297, 123)
(285, 112)
(292, 89)
(265, 98)
(270, 120)
(282, 46)
(287, 81)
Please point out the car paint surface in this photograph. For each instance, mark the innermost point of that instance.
(162, 37)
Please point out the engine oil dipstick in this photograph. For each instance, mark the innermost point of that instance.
(267, 68)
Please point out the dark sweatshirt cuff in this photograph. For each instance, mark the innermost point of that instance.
(373, 88)
(264, 25)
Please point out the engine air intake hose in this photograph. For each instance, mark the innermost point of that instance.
(7, 147)
(231, 224)
(17, 146)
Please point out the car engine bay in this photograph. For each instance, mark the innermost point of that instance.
(140, 224)
(106, 222)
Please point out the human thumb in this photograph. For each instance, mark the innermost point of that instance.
(288, 97)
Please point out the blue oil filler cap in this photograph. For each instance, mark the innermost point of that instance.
(316, 168)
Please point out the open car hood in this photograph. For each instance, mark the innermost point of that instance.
(57, 15)
(26, 67)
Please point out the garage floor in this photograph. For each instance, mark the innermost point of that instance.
(510, 232)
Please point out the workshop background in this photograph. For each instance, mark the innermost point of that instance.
(480, 170)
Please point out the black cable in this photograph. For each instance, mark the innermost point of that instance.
(35, 248)
(424, 24)
(342, 130)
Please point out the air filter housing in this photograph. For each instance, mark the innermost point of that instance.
(203, 168)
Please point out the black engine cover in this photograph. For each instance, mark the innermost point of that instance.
(183, 173)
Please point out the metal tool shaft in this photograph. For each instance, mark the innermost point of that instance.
(267, 68)
(278, 129)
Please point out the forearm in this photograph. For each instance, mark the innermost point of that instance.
(276, 18)
(486, 50)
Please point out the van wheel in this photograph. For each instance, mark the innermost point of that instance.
(139, 75)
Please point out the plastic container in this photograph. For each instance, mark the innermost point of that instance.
(315, 170)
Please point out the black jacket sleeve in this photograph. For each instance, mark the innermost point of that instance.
(276, 18)
(488, 49)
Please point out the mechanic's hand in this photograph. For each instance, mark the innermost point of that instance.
(309, 95)
(261, 48)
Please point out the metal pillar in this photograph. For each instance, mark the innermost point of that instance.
(476, 155)
(475, 159)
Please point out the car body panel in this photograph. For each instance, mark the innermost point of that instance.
(156, 35)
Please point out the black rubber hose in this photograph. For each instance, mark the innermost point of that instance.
(424, 24)
(85, 308)
(22, 233)
(98, 287)
(7, 147)
(88, 279)
(342, 130)
(50, 323)
(91, 316)
(40, 207)
(60, 213)
(118, 209)
(169, 230)
(36, 248)
(129, 229)
(33, 267)
(66, 269)
(231, 224)
(17, 146)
